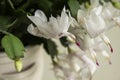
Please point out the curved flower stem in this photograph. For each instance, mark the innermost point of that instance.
(11, 4)
(5, 32)
(12, 23)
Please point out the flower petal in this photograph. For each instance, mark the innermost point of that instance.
(105, 54)
(64, 22)
(87, 61)
(36, 20)
(41, 15)
(33, 30)
(80, 17)
(95, 25)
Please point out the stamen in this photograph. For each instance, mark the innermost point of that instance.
(107, 42)
(97, 63)
(111, 49)
(78, 44)
(71, 37)
(110, 62)
(93, 53)
(107, 57)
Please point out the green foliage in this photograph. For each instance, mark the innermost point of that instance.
(64, 41)
(51, 48)
(13, 20)
(74, 6)
(5, 21)
(45, 4)
(116, 4)
(13, 47)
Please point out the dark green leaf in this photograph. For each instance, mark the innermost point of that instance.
(64, 41)
(51, 48)
(4, 21)
(74, 6)
(45, 5)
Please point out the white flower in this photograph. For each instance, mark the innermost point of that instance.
(93, 45)
(54, 28)
(92, 21)
(110, 13)
(90, 28)
(98, 18)
(71, 67)
(117, 20)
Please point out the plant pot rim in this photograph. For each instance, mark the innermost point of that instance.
(22, 74)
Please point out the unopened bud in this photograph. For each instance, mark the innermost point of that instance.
(18, 65)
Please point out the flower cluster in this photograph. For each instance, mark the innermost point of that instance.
(88, 32)
(54, 28)
(91, 26)
(74, 66)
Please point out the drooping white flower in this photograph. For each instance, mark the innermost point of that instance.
(92, 22)
(52, 28)
(90, 27)
(93, 45)
(98, 18)
(70, 67)
(110, 13)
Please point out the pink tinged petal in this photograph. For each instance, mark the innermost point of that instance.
(87, 61)
(90, 63)
(107, 41)
(41, 15)
(105, 54)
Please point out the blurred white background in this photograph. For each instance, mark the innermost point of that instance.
(105, 71)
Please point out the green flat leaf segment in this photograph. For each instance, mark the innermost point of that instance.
(13, 47)
(74, 6)
(51, 48)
